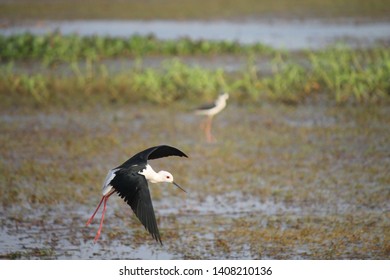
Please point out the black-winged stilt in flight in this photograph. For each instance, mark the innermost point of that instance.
(130, 181)
(210, 110)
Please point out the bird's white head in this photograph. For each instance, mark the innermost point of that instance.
(165, 176)
(224, 96)
(158, 177)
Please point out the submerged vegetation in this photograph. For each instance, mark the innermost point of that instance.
(75, 69)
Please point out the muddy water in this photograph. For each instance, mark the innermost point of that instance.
(280, 183)
(289, 35)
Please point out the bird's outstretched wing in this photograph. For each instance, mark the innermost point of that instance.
(163, 151)
(133, 188)
(153, 153)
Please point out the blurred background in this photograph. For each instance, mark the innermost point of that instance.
(299, 168)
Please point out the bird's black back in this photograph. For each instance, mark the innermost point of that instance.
(152, 153)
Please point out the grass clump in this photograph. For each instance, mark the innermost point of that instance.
(55, 47)
(33, 253)
(362, 76)
(340, 74)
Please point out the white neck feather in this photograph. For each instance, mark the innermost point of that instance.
(150, 175)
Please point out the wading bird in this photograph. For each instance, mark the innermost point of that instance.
(130, 181)
(210, 110)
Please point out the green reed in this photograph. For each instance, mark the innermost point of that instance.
(55, 47)
(340, 74)
(346, 74)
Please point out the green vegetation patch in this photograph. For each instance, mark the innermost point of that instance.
(55, 47)
(340, 75)
(33, 253)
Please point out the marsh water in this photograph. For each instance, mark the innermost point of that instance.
(289, 35)
(281, 182)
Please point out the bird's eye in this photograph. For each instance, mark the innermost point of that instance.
(168, 177)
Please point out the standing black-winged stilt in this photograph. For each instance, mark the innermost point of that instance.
(210, 110)
(130, 181)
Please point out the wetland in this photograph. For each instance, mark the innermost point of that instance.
(300, 168)
(282, 182)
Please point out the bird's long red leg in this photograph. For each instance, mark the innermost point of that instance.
(102, 219)
(203, 126)
(97, 208)
(209, 136)
(104, 198)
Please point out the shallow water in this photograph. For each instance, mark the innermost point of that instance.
(281, 183)
(59, 230)
(289, 35)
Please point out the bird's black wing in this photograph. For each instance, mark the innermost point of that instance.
(152, 153)
(133, 188)
(163, 151)
(206, 106)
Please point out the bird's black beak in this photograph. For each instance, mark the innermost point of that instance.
(177, 185)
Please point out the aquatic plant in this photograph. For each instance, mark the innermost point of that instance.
(342, 75)
(55, 47)
(358, 75)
